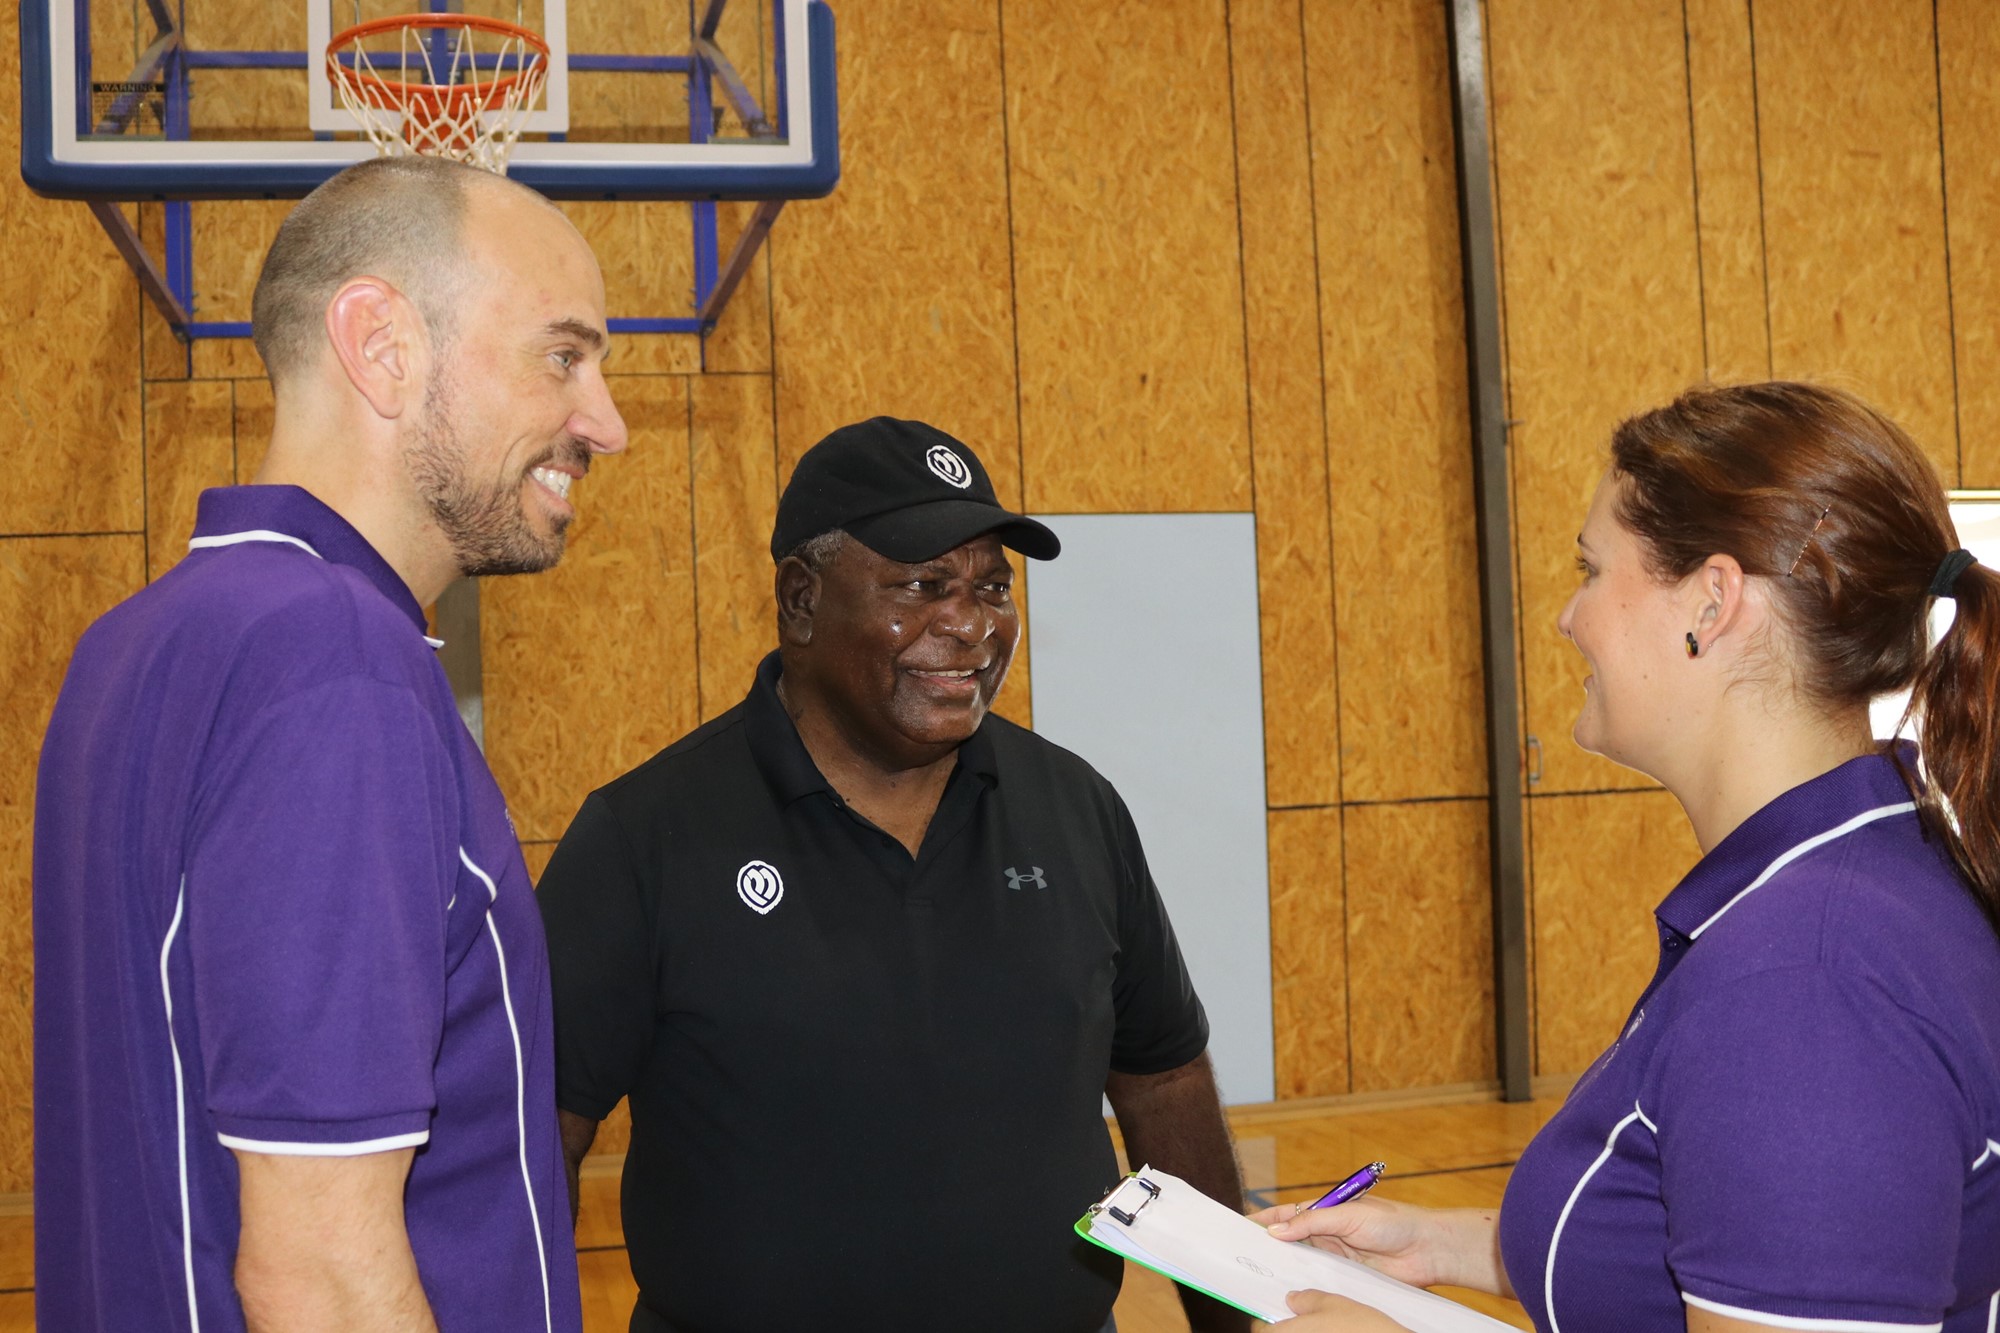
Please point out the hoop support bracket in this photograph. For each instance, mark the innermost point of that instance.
(132, 247)
(738, 263)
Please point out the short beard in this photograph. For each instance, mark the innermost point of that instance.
(488, 529)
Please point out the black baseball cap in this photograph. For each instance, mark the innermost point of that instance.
(903, 489)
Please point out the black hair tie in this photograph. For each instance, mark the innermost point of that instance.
(1948, 571)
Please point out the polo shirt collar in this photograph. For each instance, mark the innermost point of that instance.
(786, 764)
(1807, 811)
(290, 514)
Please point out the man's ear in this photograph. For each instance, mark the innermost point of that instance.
(797, 589)
(378, 339)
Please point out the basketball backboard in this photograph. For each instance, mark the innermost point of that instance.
(218, 99)
(184, 100)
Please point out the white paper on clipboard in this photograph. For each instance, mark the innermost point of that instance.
(1161, 1221)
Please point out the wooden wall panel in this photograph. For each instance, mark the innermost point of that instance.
(741, 339)
(1602, 863)
(734, 466)
(51, 589)
(1126, 257)
(255, 416)
(230, 103)
(230, 241)
(643, 107)
(1722, 102)
(646, 251)
(1308, 954)
(1854, 209)
(893, 296)
(590, 668)
(1419, 944)
(73, 369)
(250, 103)
(190, 446)
(1399, 443)
(115, 39)
(1287, 424)
(1601, 272)
(1969, 52)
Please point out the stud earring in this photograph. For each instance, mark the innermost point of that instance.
(1694, 649)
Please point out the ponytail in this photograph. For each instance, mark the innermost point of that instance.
(1956, 703)
(1838, 510)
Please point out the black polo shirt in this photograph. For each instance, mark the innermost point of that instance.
(865, 1087)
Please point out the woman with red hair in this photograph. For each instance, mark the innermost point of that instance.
(1799, 1124)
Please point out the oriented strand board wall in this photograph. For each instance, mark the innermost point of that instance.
(1187, 255)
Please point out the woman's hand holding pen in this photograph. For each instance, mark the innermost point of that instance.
(1424, 1247)
(1392, 1238)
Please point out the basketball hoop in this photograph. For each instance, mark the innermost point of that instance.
(479, 78)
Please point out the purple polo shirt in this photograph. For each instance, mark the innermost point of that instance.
(279, 908)
(1800, 1126)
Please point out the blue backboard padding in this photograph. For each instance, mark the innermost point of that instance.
(137, 180)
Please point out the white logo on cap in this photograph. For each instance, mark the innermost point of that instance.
(760, 886)
(949, 466)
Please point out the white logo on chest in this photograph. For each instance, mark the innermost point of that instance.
(760, 886)
(948, 466)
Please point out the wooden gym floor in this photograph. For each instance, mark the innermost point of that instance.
(1450, 1155)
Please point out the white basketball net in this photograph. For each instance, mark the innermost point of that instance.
(470, 103)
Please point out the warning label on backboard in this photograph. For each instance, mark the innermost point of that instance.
(129, 110)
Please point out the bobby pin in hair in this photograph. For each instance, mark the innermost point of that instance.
(1809, 541)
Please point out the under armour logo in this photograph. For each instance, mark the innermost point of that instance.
(1015, 879)
(760, 886)
(948, 466)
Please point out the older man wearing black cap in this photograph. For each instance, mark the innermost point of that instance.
(864, 959)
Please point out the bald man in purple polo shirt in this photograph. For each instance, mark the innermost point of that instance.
(292, 1031)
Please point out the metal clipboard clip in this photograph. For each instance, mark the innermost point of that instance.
(1108, 1204)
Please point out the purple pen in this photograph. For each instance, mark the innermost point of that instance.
(1351, 1188)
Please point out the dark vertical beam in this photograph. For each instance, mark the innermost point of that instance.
(1480, 266)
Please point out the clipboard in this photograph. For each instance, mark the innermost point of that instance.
(1166, 1224)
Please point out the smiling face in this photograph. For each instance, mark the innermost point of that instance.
(1631, 631)
(907, 658)
(516, 406)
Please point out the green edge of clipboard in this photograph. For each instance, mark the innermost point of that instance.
(1082, 1229)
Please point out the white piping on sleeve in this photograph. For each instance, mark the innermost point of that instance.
(1865, 817)
(180, 1111)
(1549, 1268)
(1800, 1322)
(253, 535)
(360, 1149)
(1993, 1314)
(1992, 1147)
(520, 1087)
